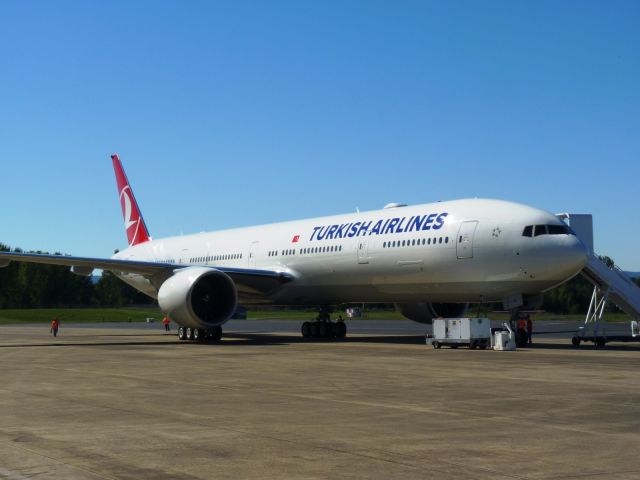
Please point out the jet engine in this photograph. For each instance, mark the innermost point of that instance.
(198, 297)
(425, 312)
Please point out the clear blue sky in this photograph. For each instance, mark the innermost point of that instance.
(236, 113)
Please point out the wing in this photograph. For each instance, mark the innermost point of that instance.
(251, 283)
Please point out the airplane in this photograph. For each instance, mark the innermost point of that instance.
(430, 260)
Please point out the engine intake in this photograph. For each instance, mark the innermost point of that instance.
(198, 297)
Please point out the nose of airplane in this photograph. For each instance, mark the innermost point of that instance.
(572, 256)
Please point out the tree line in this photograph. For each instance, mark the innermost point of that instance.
(31, 285)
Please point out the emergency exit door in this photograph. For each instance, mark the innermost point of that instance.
(363, 252)
(464, 243)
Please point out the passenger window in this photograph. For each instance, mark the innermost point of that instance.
(540, 230)
(446, 239)
(440, 240)
(528, 231)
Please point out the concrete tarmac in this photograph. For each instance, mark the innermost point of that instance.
(134, 403)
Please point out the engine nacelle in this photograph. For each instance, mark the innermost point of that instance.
(198, 297)
(425, 312)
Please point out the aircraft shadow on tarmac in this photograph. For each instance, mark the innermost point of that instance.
(618, 346)
(237, 339)
(261, 338)
(228, 339)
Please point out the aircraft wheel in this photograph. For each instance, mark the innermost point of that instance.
(216, 333)
(306, 329)
(575, 341)
(199, 334)
(189, 333)
(340, 330)
(182, 335)
(324, 330)
(315, 329)
(436, 344)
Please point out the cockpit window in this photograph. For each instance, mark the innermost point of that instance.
(537, 230)
(540, 230)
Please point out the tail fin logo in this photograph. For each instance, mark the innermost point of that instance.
(130, 210)
(125, 202)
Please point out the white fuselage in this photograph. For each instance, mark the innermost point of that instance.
(458, 251)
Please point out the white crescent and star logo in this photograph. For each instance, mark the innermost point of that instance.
(125, 198)
(127, 211)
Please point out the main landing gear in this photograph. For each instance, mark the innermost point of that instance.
(200, 335)
(323, 327)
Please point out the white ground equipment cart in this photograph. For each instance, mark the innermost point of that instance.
(455, 332)
(504, 338)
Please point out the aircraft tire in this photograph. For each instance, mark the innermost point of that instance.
(306, 329)
(181, 333)
(324, 330)
(199, 334)
(189, 333)
(340, 330)
(436, 344)
(216, 334)
(315, 329)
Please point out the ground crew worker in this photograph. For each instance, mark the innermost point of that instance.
(55, 324)
(529, 328)
(166, 322)
(522, 332)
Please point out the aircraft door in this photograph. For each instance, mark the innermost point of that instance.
(184, 257)
(464, 243)
(363, 252)
(253, 251)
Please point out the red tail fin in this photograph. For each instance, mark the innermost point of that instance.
(133, 222)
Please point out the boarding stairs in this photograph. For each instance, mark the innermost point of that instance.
(609, 283)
